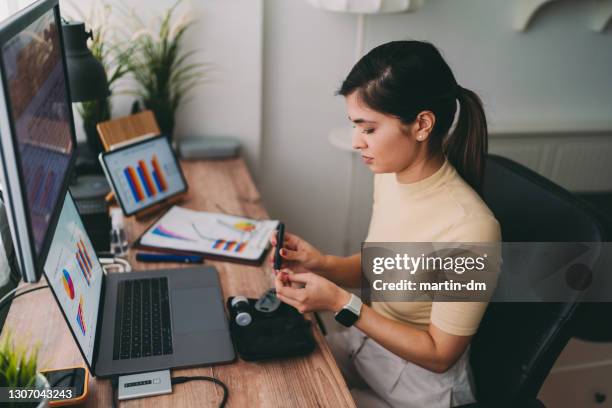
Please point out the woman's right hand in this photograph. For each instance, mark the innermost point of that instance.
(297, 254)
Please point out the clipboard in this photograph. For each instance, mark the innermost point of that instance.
(221, 237)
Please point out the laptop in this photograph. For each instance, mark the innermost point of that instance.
(134, 322)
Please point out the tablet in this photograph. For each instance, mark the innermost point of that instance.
(143, 173)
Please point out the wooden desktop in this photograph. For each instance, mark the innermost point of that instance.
(310, 381)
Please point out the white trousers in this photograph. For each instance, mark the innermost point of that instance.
(379, 378)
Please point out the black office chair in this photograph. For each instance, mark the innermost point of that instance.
(518, 343)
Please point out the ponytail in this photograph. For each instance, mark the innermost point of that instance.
(466, 147)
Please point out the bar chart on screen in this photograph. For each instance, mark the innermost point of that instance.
(79, 317)
(145, 181)
(83, 260)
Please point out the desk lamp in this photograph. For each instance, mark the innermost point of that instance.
(88, 82)
(87, 78)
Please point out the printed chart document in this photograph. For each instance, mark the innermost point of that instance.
(211, 234)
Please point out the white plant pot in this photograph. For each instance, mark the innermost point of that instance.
(42, 383)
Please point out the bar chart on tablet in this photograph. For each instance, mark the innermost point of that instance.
(145, 180)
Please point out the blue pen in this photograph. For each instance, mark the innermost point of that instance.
(147, 257)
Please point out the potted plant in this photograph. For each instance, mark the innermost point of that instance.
(163, 71)
(110, 54)
(18, 370)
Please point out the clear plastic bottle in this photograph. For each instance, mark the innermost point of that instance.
(118, 237)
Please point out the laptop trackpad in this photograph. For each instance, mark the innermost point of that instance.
(197, 309)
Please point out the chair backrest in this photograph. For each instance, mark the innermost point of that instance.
(518, 343)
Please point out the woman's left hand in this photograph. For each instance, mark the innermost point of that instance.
(318, 293)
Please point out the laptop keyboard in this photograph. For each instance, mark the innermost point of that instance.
(142, 326)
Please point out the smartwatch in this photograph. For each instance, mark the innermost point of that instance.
(349, 314)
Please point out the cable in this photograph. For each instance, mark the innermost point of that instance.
(6, 302)
(9, 293)
(121, 264)
(181, 380)
(114, 385)
(320, 323)
(126, 264)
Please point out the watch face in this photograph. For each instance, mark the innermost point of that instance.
(346, 317)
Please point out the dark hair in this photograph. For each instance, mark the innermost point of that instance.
(403, 78)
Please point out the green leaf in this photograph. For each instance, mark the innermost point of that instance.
(17, 366)
(163, 72)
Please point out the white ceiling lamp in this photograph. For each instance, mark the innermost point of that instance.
(367, 6)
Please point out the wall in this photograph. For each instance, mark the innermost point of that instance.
(553, 77)
(303, 178)
(228, 37)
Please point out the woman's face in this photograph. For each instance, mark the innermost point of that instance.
(386, 145)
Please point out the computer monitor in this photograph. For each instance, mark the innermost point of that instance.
(36, 129)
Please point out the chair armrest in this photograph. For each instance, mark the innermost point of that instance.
(525, 403)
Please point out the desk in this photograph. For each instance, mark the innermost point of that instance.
(314, 380)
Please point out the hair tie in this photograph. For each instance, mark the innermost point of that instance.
(458, 90)
(452, 94)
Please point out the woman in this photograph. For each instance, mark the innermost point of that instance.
(402, 98)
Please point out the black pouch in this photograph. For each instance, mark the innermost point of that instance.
(282, 333)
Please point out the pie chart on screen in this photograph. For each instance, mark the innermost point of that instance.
(68, 285)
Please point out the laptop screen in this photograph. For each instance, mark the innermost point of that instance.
(144, 173)
(75, 275)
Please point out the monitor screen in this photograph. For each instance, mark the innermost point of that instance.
(40, 111)
(75, 275)
(144, 173)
